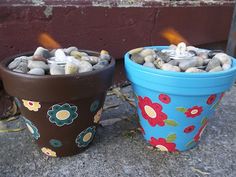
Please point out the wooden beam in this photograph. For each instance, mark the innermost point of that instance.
(231, 45)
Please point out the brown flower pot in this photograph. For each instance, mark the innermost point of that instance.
(61, 112)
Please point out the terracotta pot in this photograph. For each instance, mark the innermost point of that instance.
(61, 112)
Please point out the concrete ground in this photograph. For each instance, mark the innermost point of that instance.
(120, 151)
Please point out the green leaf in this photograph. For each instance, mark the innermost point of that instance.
(190, 144)
(204, 120)
(171, 122)
(181, 109)
(171, 138)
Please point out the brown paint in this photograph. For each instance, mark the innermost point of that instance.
(80, 90)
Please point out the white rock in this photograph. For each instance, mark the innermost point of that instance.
(226, 66)
(56, 70)
(216, 69)
(149, 64)
(149, 58)
(224, 58)
(40, 51)
(37, 71)
(147, 52)
(85, 66)
(37, 64)
(194, 70)
(60, 55)
(135, 51)
(169, 67)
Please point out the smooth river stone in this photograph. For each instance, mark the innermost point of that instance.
(213, 63)
(224, 58)
(37, 64)
(149, 64)
(147, 52)
(71, 68)
(56, 70)
(188, 64)
(158, 63)
(149, 58)
(85, 66)
(37, 71)
(14, 63)
(216, 69)
(212, 53)
(135, 51)
(137, 58)
(91, 59)
(169, 67)
(70, 49)
(21, 68)
(163, 56)
(40, 51)
(174, 62)
(78, 54)
(194, 70)
(60, 55)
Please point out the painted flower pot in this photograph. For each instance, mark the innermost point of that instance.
(174, 107)
(61, 112)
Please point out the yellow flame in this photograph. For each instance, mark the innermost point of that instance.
(173, 36)
(48, 42)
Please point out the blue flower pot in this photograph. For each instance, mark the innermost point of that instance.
(173, 107)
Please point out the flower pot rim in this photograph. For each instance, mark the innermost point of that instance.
(177, 74)
(4, 63)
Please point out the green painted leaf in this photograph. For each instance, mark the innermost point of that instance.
(171, 122)
(190, 144)
(171, 138)
(181, 109)
(204, 120)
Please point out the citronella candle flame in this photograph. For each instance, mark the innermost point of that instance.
(48, 42)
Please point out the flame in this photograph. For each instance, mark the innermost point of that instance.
(48, 42)
(173, 36)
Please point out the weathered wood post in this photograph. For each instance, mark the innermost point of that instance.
(231, 45)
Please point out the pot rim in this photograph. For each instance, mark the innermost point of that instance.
(4, 63)
(177, 74)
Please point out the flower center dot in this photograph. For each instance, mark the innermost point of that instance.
(63, 114)
(87, 137)
(195, 111)
(150, 111)
(162, 148)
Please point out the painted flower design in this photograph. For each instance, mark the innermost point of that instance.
(32, 128)
(94, 106)
(97, 117)
(31, 105)
(152, 112)
(48, 152)
(189, 129)
(200, 131)
(162, 144)
(164, 98)
(62, 114)
(211, 99)
(85, 137)
(194, 111)
(55, 143)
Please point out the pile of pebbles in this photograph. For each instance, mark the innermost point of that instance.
(59, 62)
(182, 58)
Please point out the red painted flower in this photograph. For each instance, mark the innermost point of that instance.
(211, 99)
(194, 111)
(221, 96)
(200, 131)
(161, 144)
(189, 129)
(164, 98)
(152, 112)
